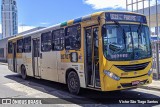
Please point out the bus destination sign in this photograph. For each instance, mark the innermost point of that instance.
(125, 17)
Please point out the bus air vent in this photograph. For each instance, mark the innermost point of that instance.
(136, 67)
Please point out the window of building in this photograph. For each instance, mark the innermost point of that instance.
(46, 42)
(1, 52)
(73, 37)
(58, 39)
(9, 47)
(27, 44)
(20, 46)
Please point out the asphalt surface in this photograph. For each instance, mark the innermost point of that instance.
(13, 86)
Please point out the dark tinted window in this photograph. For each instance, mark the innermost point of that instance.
(27, 44)
(2, 52)
(58, 39)
(73, 37)
(36, 48)
(46, 42)
(9, 47)
(20, 46)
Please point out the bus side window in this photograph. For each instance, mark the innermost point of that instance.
(73, 37)
(27, 44)
(46, 42)
(2, 52)
(20, 46)
(58, 40)
(9, 47)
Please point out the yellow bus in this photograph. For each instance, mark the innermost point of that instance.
(104, 51)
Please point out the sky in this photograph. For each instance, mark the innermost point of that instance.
(50, 12)
(34, 13)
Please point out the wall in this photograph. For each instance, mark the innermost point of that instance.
(3, 48)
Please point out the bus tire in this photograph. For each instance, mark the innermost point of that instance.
(23, 72)
(73, 83)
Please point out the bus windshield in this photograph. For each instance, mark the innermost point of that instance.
(126, 41)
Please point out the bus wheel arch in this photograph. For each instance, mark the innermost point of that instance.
(73, 81)
(23, 72)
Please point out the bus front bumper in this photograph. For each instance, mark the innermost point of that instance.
(125, 83)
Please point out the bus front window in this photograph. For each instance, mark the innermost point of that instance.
(126, 42)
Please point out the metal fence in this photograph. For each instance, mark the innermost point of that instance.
(150, 8)
(156, 59)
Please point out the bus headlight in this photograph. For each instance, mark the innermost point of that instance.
(112, 75)
(149, 72)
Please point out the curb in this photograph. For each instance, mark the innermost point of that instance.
(150, 88)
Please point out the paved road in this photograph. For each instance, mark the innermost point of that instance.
(12, 86)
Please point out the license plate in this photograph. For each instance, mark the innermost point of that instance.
(135, 82)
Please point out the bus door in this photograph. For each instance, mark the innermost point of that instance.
(92, 57)
(36, 57)
(14, 57)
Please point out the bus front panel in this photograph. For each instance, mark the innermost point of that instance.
(125, 54)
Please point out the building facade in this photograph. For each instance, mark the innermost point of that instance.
(150, 8)
(9, 18)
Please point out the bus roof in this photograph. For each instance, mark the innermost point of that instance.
(74, 21)
(15, 37)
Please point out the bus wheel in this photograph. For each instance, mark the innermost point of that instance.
(73, 83)
(23, 72)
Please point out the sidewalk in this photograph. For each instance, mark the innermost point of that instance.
(155, 85)
(2, 63)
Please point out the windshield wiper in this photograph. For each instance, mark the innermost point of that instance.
(124, 35)
(132, 41)
(139, 30)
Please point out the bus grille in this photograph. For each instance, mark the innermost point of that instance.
(136, 67)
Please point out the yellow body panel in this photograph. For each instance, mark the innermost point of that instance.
(95, 15)
(65, 56)
(10, 56)
(70, 22)
(19, 55)
(110, 84)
